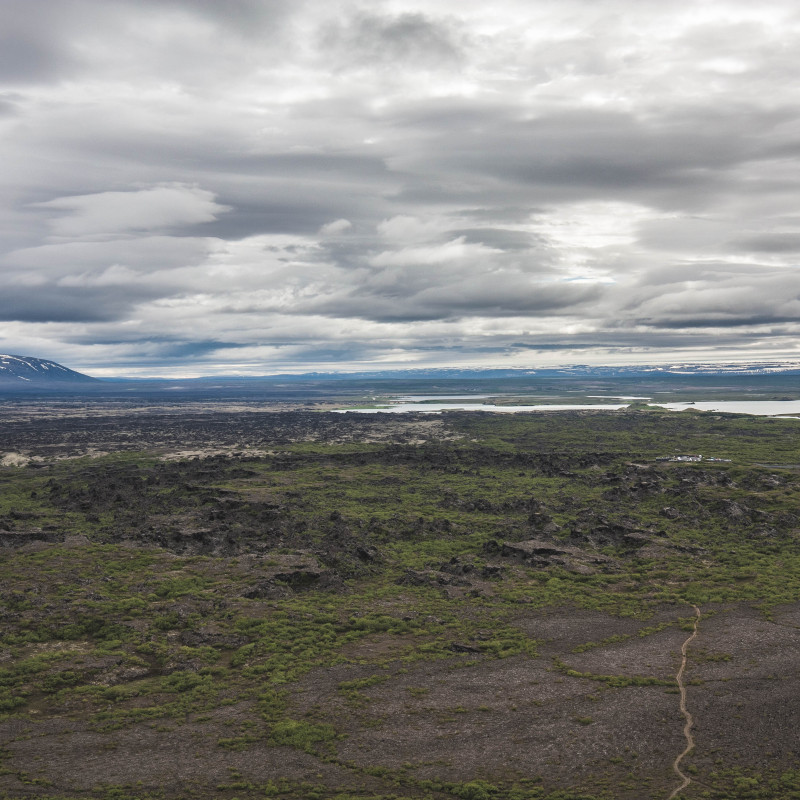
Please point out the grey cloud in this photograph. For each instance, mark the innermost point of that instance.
(768, 243)
(625, 338)
(53, 303)
(711, 321)
(485, 296)
(26, 60)
(408, 40)
(269, 215)
(281, 191)
(588, 154)
(243, 15)
(50, 40)
(499, 214)
(76, 258)
(286, 206)
(318, 167)
(500, 238)
(31, 51)
(716, 297)
(703, 273)
(158, 348)
(291, 193)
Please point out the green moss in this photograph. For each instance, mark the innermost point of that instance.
(302, 735)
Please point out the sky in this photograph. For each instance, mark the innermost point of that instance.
(199, 187)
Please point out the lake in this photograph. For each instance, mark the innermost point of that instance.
(436, 408)
(761, 408)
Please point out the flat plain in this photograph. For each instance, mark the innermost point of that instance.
(230, 602)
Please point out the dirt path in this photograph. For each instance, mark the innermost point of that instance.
(687, 728)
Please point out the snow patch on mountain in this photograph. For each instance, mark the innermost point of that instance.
(27, 369)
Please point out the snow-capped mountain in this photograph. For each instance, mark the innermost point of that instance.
(22, 370)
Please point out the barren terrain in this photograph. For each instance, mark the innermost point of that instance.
(220, 603)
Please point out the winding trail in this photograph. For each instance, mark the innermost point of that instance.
(687, 728)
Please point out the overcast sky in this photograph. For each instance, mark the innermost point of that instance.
(254, 186)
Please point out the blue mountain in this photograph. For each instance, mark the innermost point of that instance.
(37, 372)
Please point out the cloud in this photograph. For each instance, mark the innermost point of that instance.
(76, 303)
(403, 229)
(242, 15)
(266, 182)
(336, 227)
(145, 210)
(144, 254)
(410, 40)
(768, 243)
(29, 51)
(455, 250)
(721, 295)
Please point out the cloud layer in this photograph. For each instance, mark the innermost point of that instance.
(256, 186)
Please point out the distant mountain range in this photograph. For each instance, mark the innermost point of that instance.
(578, 370)
(37, 372)
(27, 372)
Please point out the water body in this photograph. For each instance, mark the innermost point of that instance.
(761, 408)
(421, 398)
(436, 408)
(616, 397)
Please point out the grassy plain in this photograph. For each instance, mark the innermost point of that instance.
(474, 606)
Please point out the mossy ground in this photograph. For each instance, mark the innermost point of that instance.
(335, 620)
